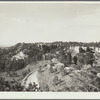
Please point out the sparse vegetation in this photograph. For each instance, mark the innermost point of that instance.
(24, 73)
(77, 67)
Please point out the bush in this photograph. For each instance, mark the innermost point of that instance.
(10, 85)
(52, 69)
(81, 58)
(89, 58)
(25, 72)
(55, 80)
(69, 58)
(46, 88)
(16, 86)
(32, 87)
(81, 50)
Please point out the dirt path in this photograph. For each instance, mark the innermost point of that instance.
(30, 78)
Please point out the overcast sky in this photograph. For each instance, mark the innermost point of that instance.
(48, 22)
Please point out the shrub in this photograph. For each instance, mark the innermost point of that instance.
(10, 85)
(81, 57)
(46, 88)
(69, 58)
(81, 50)
(52, 69)
(32, 87)
(25, 72)
(55, 80)
(16, 86)
(89, 58)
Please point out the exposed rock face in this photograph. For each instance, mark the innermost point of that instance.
(18, 56)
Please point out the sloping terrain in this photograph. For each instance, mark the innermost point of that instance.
(65, 78)
(52, 66)
(70, 80)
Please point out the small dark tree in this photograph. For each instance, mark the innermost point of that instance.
(75, 59)
(89, 58)
(81, 50)
(69, 58)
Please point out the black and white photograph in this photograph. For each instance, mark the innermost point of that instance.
(49, 47)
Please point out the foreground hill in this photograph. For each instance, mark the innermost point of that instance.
(54, 76)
